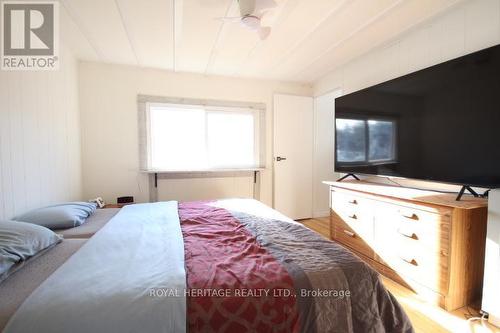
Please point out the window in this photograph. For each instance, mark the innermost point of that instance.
(365, 141)
(381, 139)
(351, 143)
(196, 138)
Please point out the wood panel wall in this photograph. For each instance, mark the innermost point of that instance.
(39, 137)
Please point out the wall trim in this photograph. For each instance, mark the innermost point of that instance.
(321, 213)
(198, 101)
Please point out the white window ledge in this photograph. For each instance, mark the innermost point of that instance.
(202, 171)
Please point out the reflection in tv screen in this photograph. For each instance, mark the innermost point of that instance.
(440, 123)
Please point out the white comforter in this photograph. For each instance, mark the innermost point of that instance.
(111, 284)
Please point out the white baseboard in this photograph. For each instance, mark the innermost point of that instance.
(321, 213)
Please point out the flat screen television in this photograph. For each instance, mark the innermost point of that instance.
(440, 124)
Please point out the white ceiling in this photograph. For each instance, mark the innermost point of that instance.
(309, 37)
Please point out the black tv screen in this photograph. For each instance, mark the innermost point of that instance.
(441, 124)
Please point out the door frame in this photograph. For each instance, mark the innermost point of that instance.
(336, 92)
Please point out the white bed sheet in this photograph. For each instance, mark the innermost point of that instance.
(107, 286)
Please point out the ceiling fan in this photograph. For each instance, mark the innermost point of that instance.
(251, 12)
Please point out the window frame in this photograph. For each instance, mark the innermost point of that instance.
(146, 140)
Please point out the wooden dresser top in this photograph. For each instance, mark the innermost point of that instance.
(410, 194)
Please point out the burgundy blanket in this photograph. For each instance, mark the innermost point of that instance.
(252, 273)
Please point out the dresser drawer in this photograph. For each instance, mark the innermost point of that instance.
(443, 215)
(355, 238)
(427, 269)
(397, 226)
(434, 238)
(414, 243)
(354, 210)
(346, 202)
(413, 236)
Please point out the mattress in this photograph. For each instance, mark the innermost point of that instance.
(246, 268)
(93, 224)
(15, 289)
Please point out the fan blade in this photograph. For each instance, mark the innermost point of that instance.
(247, 7)
(264, 32)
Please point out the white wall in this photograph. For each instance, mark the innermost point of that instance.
(39, 138)
(491, 299)
(108, 102)
(323, 157)
(468, 27)
(206, 186)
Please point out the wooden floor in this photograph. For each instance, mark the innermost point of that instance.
(426, 318)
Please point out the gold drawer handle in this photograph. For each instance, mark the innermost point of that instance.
(348, 233)
(409, 215)
(353, 201)
(411, 235)
(410, 261)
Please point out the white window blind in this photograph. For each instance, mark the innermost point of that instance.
(182, 137)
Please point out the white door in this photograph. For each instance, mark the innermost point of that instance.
(293, 150)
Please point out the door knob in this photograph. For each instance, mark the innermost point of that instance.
(279, 158)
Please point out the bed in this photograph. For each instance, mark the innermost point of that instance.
(19, 286)
(221, 266)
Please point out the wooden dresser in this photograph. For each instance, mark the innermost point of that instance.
(424, 240)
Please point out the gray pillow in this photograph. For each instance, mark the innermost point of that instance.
(19, 241)
(59, 216)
